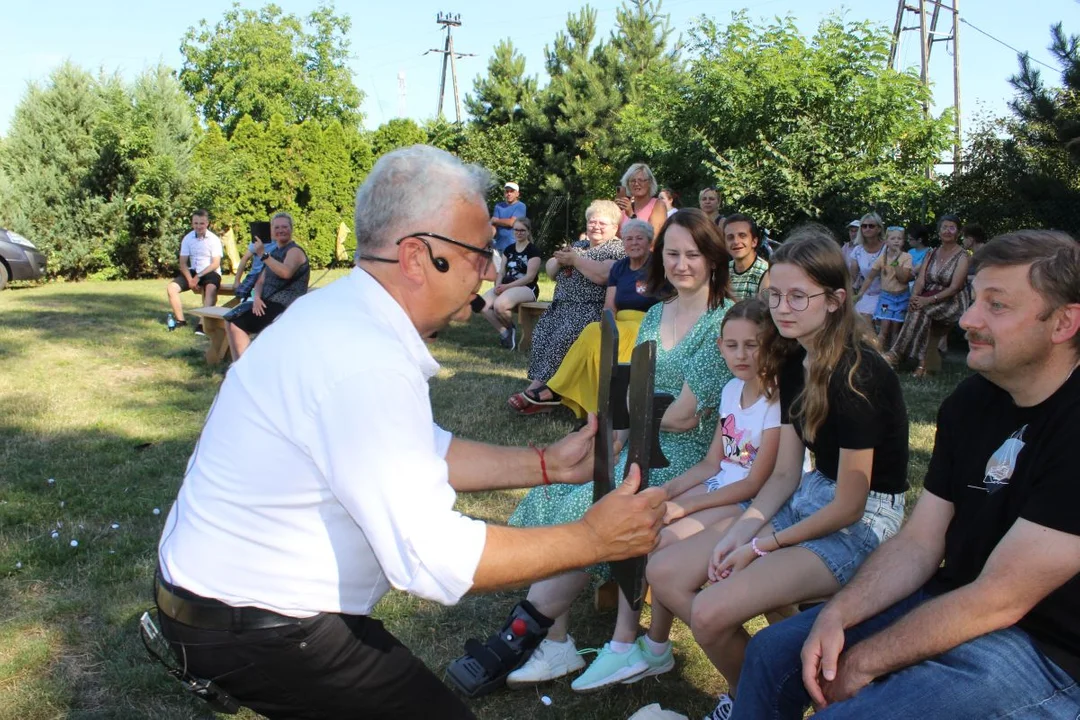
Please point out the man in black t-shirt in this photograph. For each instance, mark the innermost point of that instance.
(973, 609)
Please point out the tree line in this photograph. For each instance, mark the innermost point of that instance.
(263, 115)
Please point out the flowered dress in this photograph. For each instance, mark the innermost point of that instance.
(913, 337)
(696, 361)
(577, 302)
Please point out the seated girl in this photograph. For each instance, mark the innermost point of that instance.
(805, 534)
(740, 458)
(517, 284)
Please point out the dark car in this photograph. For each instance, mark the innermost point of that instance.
(19, 259)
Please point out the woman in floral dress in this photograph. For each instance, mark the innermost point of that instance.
(690, 270)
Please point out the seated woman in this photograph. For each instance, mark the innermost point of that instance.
(283, 279)
(937, 302)
(690, 274)
(517, 285)
(804, 534)
(580, 272)
(576, 382)
(638, 199)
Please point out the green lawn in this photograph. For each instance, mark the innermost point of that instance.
(100, 407)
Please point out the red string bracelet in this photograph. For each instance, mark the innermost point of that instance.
(543, 464)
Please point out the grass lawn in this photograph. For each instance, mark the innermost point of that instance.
(100, 408)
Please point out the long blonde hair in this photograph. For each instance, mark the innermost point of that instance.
(814, 250)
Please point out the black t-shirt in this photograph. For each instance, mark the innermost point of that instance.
(517, 264)
(878, 420)
(996, 462)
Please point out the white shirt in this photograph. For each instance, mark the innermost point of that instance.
(319, 480)
(200, 252)
(742, 429)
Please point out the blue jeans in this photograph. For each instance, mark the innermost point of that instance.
(998, 675)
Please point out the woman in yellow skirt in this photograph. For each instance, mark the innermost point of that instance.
(578, 379)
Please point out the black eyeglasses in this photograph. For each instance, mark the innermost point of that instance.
(797, 300)
(488, 251)
(867, 226)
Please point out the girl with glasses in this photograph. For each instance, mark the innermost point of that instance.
(518, 284)
(804, 534)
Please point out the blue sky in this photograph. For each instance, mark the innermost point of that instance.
(389, 38)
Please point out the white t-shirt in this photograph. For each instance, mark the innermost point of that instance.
(320, 479)
(742, 430)
(200, 252)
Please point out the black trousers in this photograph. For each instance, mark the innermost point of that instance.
(324, 667)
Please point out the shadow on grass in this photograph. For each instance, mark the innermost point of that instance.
(107, 322)
(83, 588)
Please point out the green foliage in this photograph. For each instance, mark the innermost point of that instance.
(1024, 170)
(264, 63)
(50, 159)
(791, 128)
(505, 94)
(397, 133)
(309, 170)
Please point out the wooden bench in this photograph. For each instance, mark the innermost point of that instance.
(527, 315)
(229, 289)
(213, 322)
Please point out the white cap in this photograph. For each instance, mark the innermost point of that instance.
(513, 186)
(854, 223)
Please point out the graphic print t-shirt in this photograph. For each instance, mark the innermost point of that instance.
(517, 264)
(742, 429)
(996, 463)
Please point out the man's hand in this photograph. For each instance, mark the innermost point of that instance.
(570, 460)
(625, 523)
(193, 282)
(821, 656)
(258, 306)
(849, 680)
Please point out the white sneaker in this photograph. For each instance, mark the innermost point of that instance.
(723, 709)
(549, 661)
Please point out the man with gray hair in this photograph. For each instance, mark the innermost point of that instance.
(270, 568)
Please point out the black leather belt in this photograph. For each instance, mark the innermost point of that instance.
(207, 614)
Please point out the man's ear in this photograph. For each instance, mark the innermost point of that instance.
(1066, 323)
(412, 256)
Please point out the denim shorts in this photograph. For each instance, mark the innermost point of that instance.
(844, 550)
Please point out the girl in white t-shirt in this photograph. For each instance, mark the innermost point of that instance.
(738, 462)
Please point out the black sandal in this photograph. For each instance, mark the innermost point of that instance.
(533, 396)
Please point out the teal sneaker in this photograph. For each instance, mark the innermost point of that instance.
(658, 664)
(611, 668)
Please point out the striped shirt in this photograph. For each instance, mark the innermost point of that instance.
(745, 284)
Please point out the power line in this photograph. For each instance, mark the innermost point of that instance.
(1002, 42)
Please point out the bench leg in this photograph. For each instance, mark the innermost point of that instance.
(219, 343)
(526, 323)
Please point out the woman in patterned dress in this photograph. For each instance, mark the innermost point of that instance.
(685, 326)
(937, 302)
(580, 272)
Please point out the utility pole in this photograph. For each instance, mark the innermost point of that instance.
(402, 108)
(928, 35)
(449, 22)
